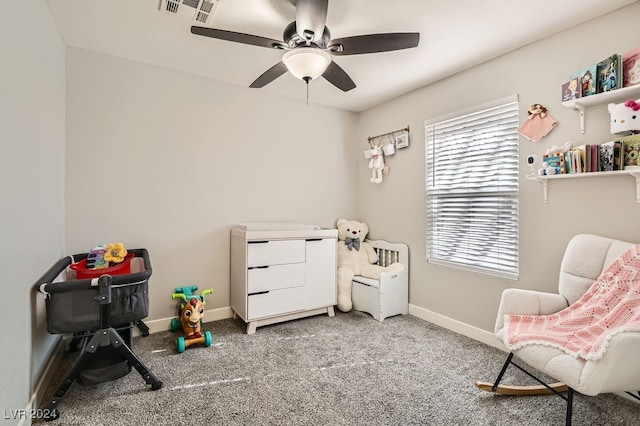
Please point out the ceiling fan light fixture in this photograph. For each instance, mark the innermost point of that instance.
(306, 63)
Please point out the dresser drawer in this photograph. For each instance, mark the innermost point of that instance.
(264, 253)
(276, 302)
(267, 278)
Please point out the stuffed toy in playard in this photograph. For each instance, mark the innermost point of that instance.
(625, 117)
(115, 253)
(356, 257)
(538, 124)
(191, 315)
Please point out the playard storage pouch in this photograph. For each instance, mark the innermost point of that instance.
(106, 363)
(72, 304)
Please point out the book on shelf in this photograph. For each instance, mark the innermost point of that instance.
(589, 158)
(579, 159)
(587, 78)
(609, 75)
(571, 90)
(606, 156)
(617, 155)
(630, 151)
(555, 161)
(594, 165)
(631, 68)
(567, 162)
(583, 159)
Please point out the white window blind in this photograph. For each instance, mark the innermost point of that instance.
(471, 169)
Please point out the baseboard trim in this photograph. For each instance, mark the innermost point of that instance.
(473, 333)
(164, 324)
(456, 326)
(40, 388)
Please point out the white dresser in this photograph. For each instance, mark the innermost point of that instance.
(281, 272)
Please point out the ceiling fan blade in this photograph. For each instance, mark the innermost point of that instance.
(311, 16)
(269, 75)
(338, 77)
(373, 43)
(238, 37)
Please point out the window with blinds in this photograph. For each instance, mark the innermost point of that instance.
(471, 169)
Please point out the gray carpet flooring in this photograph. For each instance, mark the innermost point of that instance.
(342, 370)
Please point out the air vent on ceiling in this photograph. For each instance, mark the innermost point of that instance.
(198, 10)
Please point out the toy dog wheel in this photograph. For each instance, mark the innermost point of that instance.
(180, 344)
(175, 324)
(208, 339)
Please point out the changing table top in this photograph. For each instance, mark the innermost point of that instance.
(280, 230)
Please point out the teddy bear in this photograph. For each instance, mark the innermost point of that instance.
(625, 117)
(356, 257)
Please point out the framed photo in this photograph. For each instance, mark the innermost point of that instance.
(402, 141)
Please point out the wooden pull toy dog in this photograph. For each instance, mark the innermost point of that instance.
(190, 321)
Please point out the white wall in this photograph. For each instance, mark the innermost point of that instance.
(32, 170)
(395, 209)
(168, 161)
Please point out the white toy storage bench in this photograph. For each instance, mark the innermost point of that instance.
(389, 295)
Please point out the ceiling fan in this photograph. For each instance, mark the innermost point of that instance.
(308, 46)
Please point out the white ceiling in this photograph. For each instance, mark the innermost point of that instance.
(454, 35)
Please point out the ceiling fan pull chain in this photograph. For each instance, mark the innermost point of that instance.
(306, 80)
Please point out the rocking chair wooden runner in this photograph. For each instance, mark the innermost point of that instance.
(618, 370)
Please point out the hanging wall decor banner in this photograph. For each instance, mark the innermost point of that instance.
(403, 137)
(538, 123)
(378, 151)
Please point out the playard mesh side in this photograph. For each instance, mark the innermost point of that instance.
(72, 305)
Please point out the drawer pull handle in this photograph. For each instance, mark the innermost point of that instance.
(258, 292)
(258, 242)
(313, 239)
(259, 267)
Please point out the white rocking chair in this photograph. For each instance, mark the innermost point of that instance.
(585, 258)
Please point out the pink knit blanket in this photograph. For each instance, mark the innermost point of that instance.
(584, 329)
